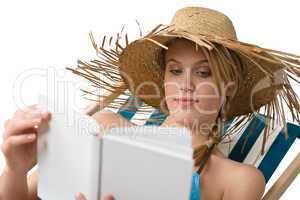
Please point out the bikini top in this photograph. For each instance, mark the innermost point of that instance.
(195, 190)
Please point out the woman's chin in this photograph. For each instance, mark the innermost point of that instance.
(192, 117)
(187, 115)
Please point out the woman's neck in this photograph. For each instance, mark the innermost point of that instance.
(199, 135)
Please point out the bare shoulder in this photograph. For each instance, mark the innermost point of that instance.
(109, 119)
(246, 181)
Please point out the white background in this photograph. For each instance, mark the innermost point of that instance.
(38, 38)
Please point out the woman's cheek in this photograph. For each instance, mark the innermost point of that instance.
(170, 94)
(207, 106)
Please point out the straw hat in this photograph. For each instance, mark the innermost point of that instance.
(261, 74)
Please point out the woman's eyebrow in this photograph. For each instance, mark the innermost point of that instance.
(174, 60)
(196, 63)
(201, 61)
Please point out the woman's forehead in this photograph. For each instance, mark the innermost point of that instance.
(183, 48)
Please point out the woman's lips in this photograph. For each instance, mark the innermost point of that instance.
(185, 101)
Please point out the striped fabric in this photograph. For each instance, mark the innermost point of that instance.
(275, 149)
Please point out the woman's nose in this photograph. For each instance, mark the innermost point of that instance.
(187, 84)
(187, 89)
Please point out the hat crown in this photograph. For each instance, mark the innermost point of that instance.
(200, 20)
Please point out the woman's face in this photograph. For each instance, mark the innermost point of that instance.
(190, 91)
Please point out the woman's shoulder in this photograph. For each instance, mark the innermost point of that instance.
(241, 177)
(109, 119)
(236, 169)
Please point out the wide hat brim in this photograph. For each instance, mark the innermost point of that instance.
(262, 70)
(135, 67)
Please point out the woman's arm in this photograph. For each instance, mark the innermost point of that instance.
(24, 187)
(19, 150)
(248, 183)
(11, 181)
(109, 119)
(32, 182)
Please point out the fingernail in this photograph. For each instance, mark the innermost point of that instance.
(36, 121)
(44, 113)
(35, 113)
(31, 136)
(109, 197)
(79, 196)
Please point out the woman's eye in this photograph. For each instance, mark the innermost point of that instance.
(175, 71)
(204, 74)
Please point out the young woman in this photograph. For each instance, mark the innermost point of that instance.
(187, 75)
(192, 72)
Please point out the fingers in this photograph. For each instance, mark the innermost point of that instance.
(32, 111)
(38, 113)
(16, 140)
(26, 120)
(33, 106)
(80, 196)
(35, 111)
(108, 197)
(14, 127)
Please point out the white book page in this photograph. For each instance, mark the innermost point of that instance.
(68, 155)
(132, 170)
(173, 139)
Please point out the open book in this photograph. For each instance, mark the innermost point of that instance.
(132, 163)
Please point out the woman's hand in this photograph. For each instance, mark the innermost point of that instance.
(20, 138)
(80, 196)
